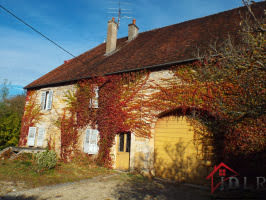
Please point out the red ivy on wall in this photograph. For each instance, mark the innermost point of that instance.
(32, 114)
(119, 111)
(126, 103)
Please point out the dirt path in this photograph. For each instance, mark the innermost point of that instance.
(116, 186)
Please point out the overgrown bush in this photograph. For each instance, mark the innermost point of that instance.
(45, 160)
(11, 112)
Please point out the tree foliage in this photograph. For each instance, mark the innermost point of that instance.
(238, 72)
(224, 89)
(31, 115)
(11, 112)
(229, 83)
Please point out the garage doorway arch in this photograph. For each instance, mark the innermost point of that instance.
(182, 148)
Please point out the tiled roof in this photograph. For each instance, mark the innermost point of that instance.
(174, 43)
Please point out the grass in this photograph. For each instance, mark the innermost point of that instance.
(24, 170)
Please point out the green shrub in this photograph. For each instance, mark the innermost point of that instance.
(45, 160)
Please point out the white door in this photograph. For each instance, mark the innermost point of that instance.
(31, 136)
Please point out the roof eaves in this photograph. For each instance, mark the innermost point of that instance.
(155, 66)
(118, 72)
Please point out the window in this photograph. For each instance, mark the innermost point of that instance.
(40, 137)
(121, 142)
(94, 100)
(124, 142)
(91, 141)
(46, 101)
(32, 136)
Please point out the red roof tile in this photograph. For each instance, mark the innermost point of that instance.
(175, 43)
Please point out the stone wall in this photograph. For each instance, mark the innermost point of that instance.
(142, 149)
(49, 118)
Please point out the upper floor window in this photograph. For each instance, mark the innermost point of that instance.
(94, 99)
(47, 99)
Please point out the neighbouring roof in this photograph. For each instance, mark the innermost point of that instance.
(171, 44)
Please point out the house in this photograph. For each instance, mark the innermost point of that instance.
(169, 151)
(224, 172)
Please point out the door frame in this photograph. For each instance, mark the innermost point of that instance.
(123, 152)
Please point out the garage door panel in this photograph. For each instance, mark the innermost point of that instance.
(177, 155)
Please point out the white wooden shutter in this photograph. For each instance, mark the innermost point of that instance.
(40, 137)
(95, 98)
(43, 100)
(91, 141)
(93, 148)
(50, 100)
(87, 141)
(31, 136)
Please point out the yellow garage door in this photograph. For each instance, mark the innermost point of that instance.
(178, 155)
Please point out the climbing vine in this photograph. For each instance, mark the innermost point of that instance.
(32, 115)
(129, 102)
(229, 86)
(120, 104)
(225, 92)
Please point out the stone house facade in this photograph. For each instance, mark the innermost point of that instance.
(155, 51)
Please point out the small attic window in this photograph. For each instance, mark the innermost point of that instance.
(46, 100)
(94, 100)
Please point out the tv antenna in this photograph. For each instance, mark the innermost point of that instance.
(121, 12)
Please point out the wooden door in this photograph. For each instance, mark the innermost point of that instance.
(123, 151)
(178, 155)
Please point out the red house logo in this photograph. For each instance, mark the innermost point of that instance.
(222, 171)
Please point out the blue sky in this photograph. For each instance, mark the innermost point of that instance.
(79, 25)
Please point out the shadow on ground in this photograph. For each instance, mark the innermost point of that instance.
(138, 187)
(20, 197)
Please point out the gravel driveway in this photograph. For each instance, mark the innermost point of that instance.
(116, 186)
(119, 186)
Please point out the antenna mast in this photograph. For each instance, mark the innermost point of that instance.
(120, 11)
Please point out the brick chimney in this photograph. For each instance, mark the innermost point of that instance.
(111, 36)
(133, 30)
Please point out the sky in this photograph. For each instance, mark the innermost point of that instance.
(79, 25)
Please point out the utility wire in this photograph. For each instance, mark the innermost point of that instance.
(35, 30)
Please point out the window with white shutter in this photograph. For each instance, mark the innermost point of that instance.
(94, 100)
(87, 140)
(43, 100)
(47, 100)
(31, 136)
(40, 137)
(91, 141)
